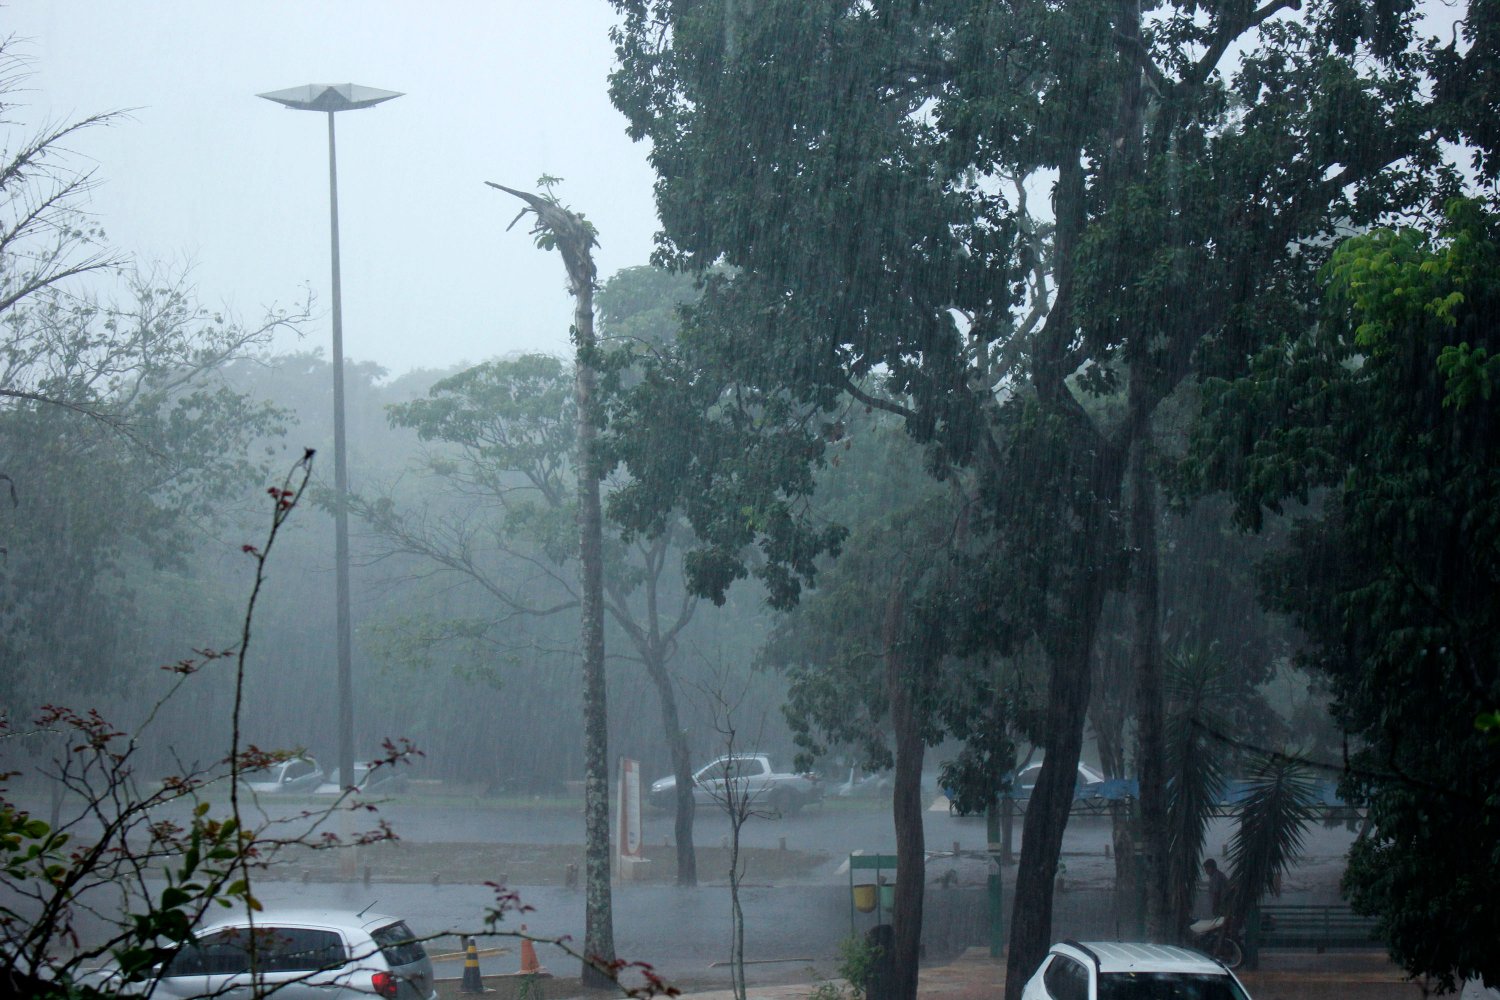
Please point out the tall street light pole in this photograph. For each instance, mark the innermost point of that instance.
(332, 99)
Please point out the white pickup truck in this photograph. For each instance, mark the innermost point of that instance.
(752, 776)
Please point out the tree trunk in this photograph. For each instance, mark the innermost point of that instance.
(1108, 716)
(906, 802)
(599, 937)
(1146, 658)
(1068, 640)
(1048, 810)
(1068, 634)
(682, 766)
(574, 239)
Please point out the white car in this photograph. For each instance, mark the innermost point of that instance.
(751, 778)
(1116, 970)
(384, 780)
(296, 774)
(299, 955)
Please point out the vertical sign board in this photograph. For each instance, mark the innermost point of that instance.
(630, 808)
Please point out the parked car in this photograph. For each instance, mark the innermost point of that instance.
(1025, 781)
(1090, 789)
(1115, 970)
(752, 776)
(300, 955)
(295, 774)
(865, 786)
(383, 780)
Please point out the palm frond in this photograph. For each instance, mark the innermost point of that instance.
(1273, 826)
(1196, 766)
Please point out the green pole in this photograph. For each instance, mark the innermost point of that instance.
(996, 883)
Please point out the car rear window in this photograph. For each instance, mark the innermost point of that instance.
(1168, 986)
(1065, 979)
(398, 944)
(277, 949)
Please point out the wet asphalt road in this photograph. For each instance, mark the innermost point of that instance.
(793, 931)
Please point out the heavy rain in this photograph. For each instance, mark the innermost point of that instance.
(831, 499)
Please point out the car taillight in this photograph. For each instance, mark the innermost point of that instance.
(385, 985)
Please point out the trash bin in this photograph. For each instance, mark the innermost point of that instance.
(864, 897)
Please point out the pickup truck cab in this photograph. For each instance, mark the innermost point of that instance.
(749, 777)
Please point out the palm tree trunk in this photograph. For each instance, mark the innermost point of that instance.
(599, 938)
(574, 239)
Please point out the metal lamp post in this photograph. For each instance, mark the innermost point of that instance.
(332, 99)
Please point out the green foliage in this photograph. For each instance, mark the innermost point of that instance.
(859, 174)
(126, 445)
(1196, 766)
(1274, 817)
(1396, 572)
(508, 418)
(857, 961)
(74, 895)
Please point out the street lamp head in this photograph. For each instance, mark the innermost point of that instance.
(330, 97)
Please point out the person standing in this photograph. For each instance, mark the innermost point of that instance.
(1218, 889)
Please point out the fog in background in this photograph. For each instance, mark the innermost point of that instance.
(206, 173)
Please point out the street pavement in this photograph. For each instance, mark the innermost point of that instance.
(974, 975)
(793, 930)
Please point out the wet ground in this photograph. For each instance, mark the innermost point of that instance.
(974, 975)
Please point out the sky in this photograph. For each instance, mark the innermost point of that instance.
(205, 175)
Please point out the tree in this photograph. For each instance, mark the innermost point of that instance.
(117, 432)
(1379, 424)
(863, 171)
(870, 652)
(99, 865)
(44, 239)
(733, 795)
(512, 432)
(561, 229)
(864, 659)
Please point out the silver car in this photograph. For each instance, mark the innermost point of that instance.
(751, 778)
(286, 777)
(301, 955)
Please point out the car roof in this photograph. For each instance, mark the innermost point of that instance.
(1131, 956)
(290, 916)
(1091, 773)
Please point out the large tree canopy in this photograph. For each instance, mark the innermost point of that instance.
(864, 174)
(1384, 416)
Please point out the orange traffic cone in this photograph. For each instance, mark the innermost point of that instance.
(529, 965)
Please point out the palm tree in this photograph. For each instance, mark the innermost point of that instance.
(1197, 765)
(1274, 813)
(1272, 827)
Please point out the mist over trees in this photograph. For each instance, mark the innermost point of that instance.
(1017, 377)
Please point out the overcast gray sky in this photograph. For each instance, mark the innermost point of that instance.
(206, 173)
